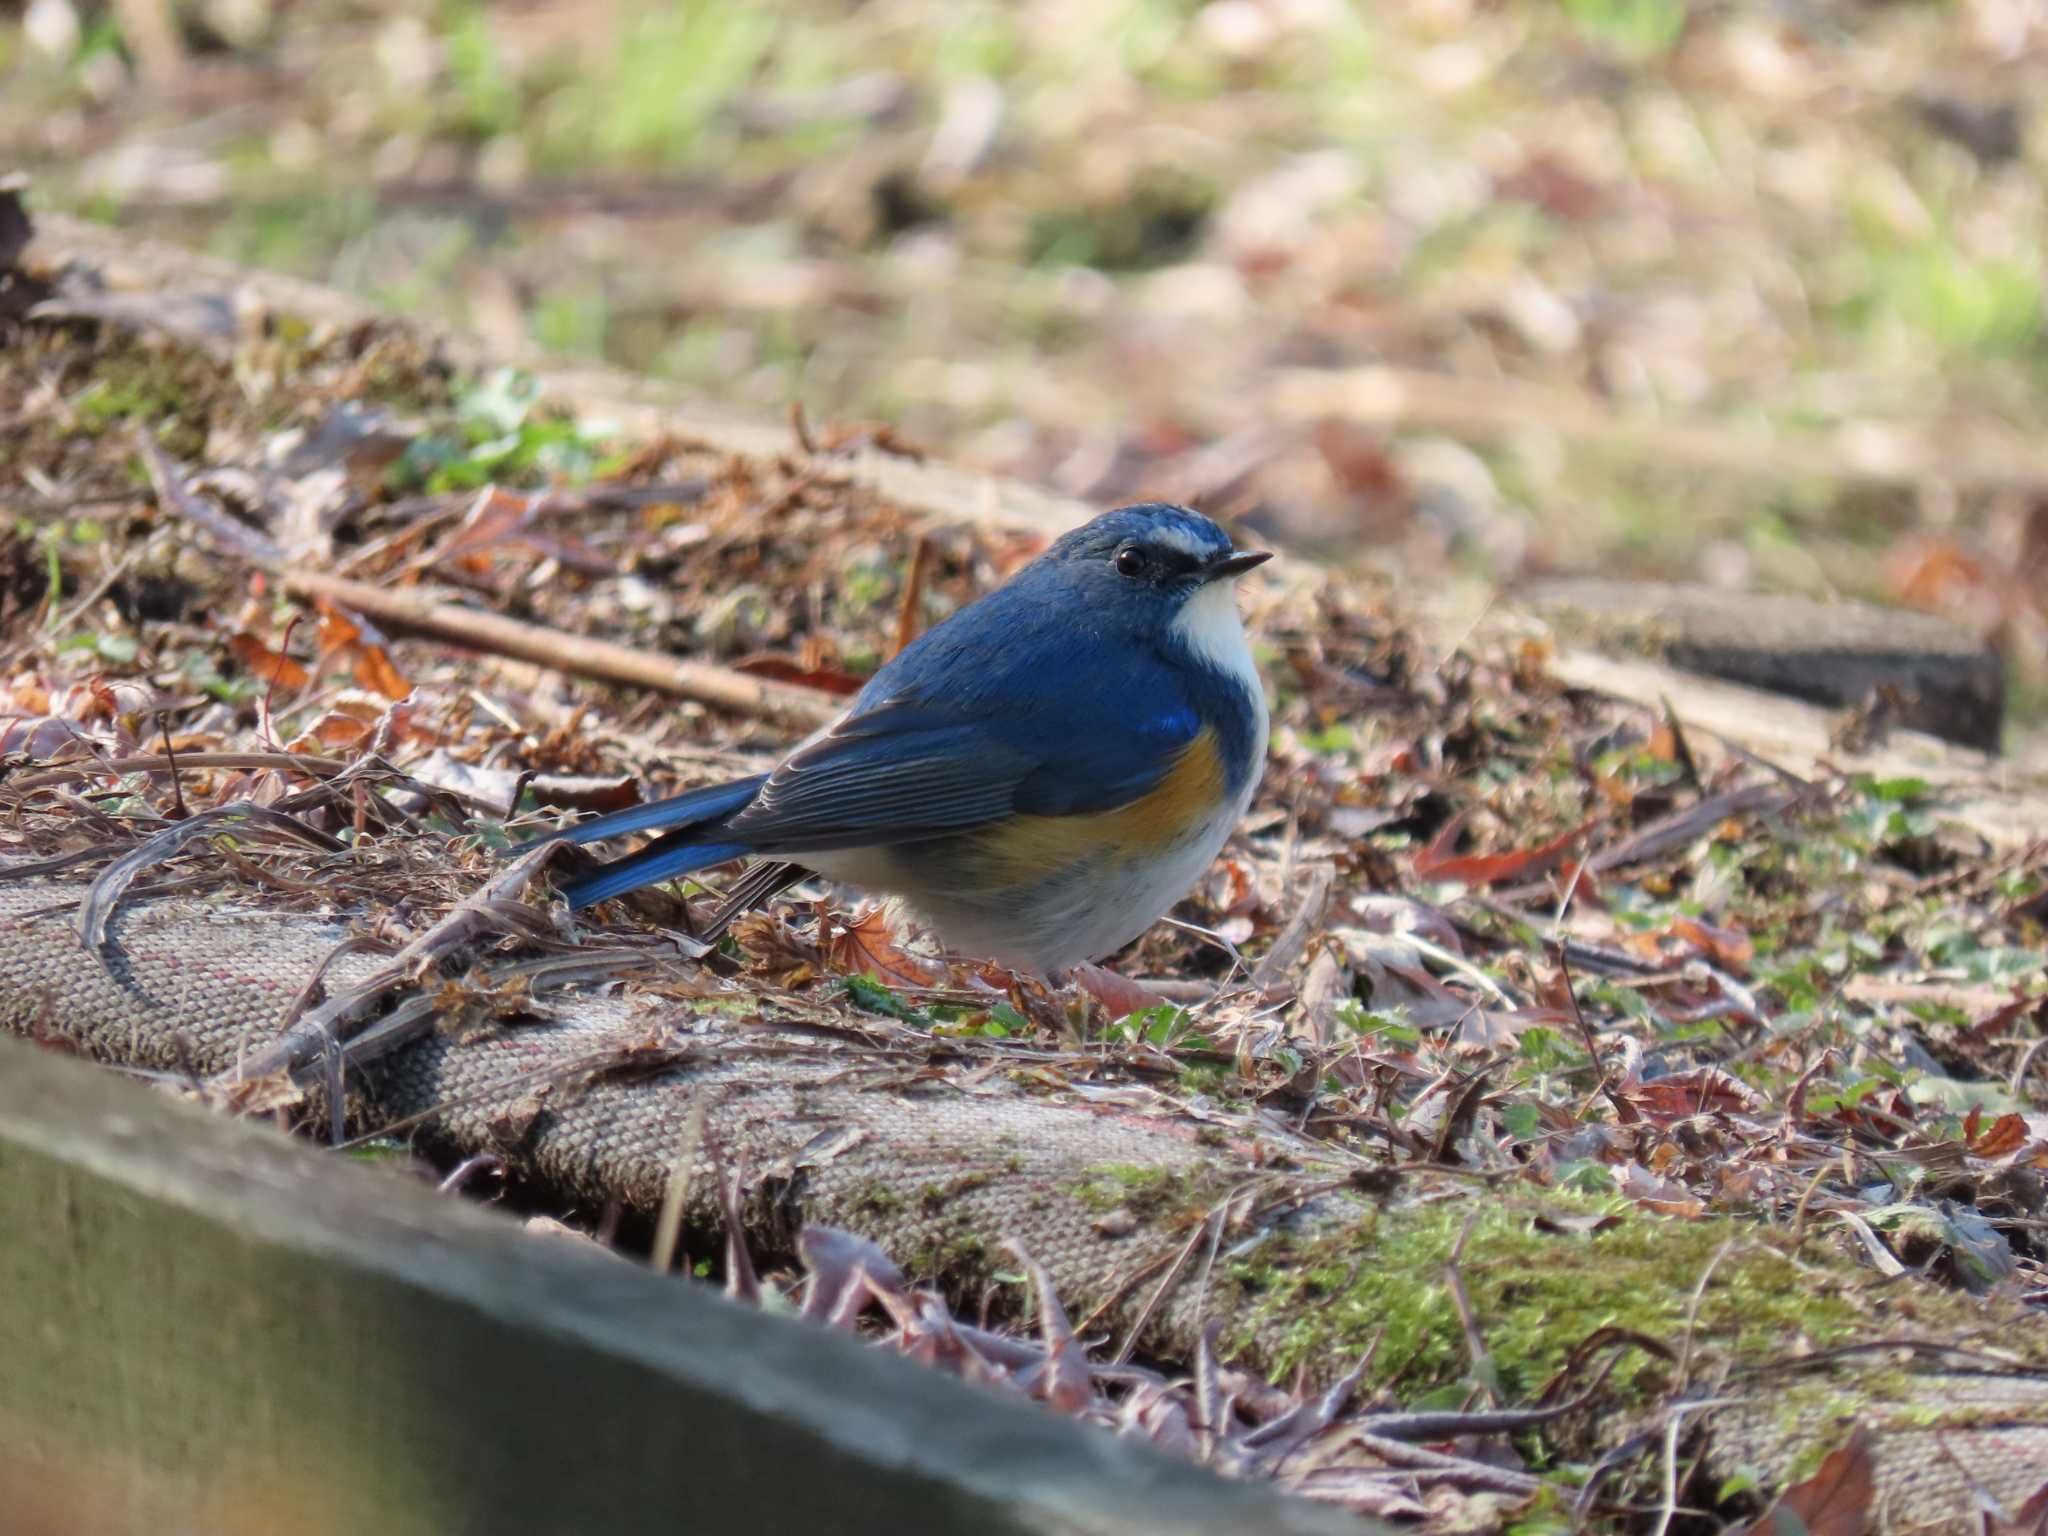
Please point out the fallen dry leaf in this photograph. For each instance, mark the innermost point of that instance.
(2007, 1134)
(374, 670)
(260, 661)
(1835, 1501)
(1667, 1197)
(1682, 1095)
(1438, 862)
(865, 945)
(787, 669)
(1730, 946)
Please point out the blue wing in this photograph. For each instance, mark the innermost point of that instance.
(956, 733)
(1023, 710)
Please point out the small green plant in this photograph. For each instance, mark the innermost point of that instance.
(499, 436)
(487, 97)
(1164, 1026)
(868, 992)
(676, 68)
(1640, 29)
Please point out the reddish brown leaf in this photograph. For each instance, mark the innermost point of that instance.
(494, 515)
(27, 696)
(1667, 1197)
(335, 732)
(786, 669)
(1928, 571)
(1438, 862)
(2032, 1519)
(1548, 182)
(2008, 1133)
(866, 946)
(1359, 459)
(1395, 757)
(1730, 946)
(374, 671)
(259, 660)
(337, 629)
(2001, 1018)
(1499, 1026)
(910, 611)
(1835, 1501)
(1681, 1095)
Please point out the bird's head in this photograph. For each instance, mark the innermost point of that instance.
(1158, 571)
(1153, 551)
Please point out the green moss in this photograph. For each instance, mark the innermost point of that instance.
(171, 392)
(1536, 1295)
(878, 1199)
(936, 1196)
(958, 1257)
(1149, 1192)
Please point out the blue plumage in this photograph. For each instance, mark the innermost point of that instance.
(1070, 692)
(705, 804)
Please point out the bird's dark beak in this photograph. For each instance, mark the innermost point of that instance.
(1237, 563)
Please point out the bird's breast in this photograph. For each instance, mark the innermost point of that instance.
(1183, 806)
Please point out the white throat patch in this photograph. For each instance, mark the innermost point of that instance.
(1209, 626)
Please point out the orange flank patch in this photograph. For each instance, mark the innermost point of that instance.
(1187, 796)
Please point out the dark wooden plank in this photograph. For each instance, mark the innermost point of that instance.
(1950, 683)
(206, 1327)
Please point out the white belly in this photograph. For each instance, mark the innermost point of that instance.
(1090, 909)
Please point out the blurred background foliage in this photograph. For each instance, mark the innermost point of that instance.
(1703, 265)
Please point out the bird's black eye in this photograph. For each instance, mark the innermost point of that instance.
(1130, 561)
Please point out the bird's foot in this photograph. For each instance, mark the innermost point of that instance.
(1119, 995)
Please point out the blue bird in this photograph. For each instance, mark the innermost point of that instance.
(1037, 778)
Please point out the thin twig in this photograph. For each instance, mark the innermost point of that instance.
(171, 756)
(173, 499)
(675, 1200)
(157, 762)
(910, 612)
(784, 704)
(1674, 1422)
(1692, 1311)
(490, 909)
(1173, 1269)
(1475, 1342)
(103, 896)
(2019, 1073)
(1624, 1111)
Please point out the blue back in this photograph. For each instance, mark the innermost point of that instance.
(1067, 678)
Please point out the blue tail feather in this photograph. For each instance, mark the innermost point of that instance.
(687, 822)
(663, 859)
(698, 805)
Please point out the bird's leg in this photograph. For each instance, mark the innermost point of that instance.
(1119, 995)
